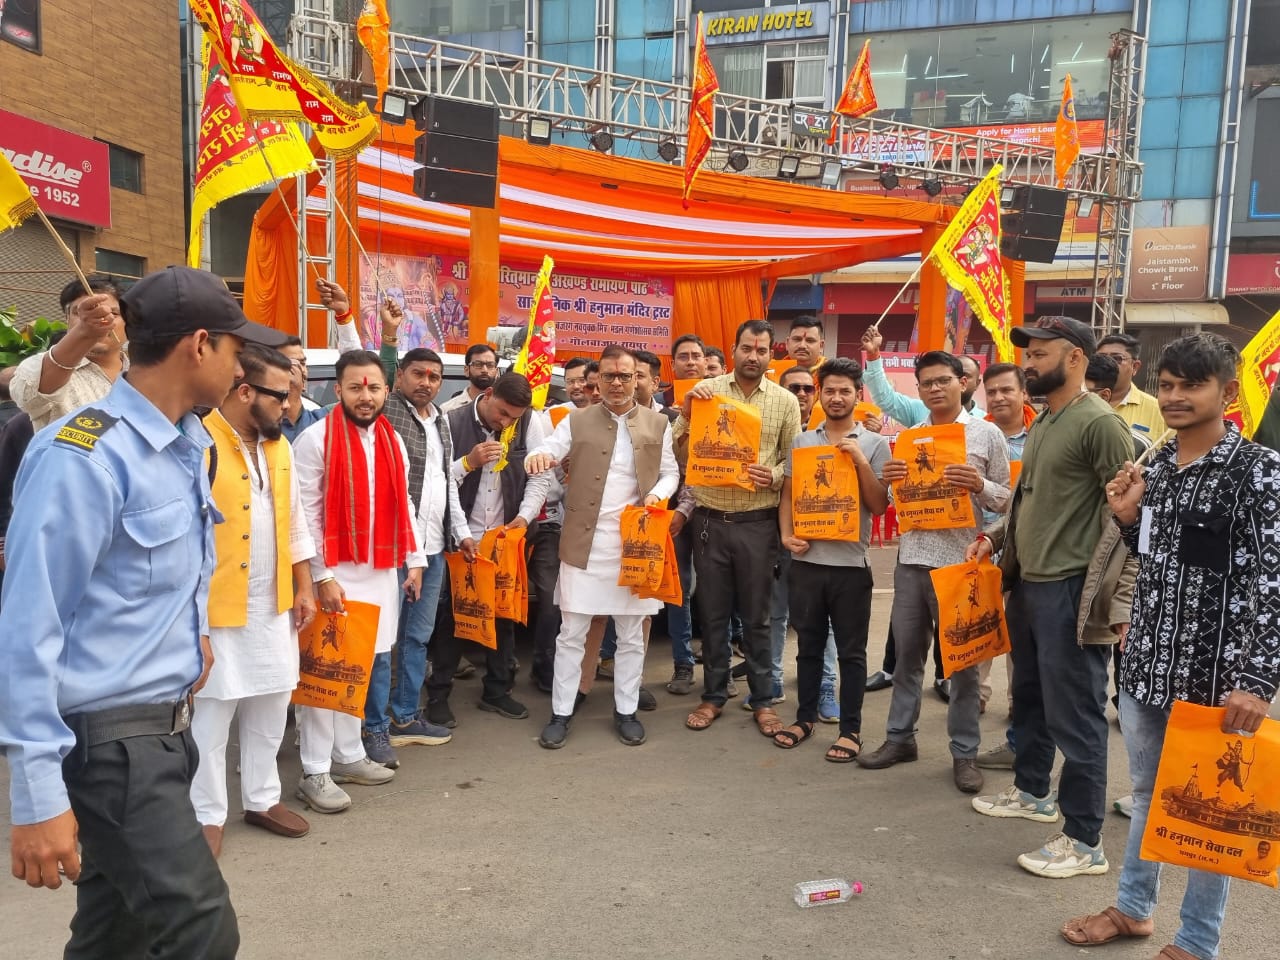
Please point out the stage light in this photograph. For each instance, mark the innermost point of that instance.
(932, 186)
(831, 170)
(738, 160)
(1084, 208)
(1007, 196)
(668, 150)
(395, 107)
(602, 140)
(888, 179)
(788, 167)
(538, 131)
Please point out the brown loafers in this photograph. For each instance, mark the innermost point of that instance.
(279, 820)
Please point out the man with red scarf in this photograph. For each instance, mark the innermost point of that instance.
(354, 475)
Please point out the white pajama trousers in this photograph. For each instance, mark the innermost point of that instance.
(328, 736)
(262, 721)
(628, 662)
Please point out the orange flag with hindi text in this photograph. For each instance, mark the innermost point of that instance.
(859, 96)
(702, 114)
(1066, 135)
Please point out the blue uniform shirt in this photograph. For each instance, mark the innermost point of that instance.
(109, 552)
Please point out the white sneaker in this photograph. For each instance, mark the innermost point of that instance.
(321, 794)
(364, 772)
(1013, 802)
(1062, 857)
(1124, 806)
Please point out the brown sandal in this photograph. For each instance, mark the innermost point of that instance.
(768, 721)
(1099, 928)
(703, 716)
(1175, 953)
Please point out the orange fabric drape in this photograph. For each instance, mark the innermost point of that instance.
(713, 308)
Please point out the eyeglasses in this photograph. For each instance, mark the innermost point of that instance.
(799, 388)
(617, 377)
(281, 395)
(940, 383)
(483, 365)
(574, 381)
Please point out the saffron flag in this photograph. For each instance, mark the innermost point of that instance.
(859, 96)
(16, 201)
(968, 255)
(267, 85)
(702, 114)
(538, 355)
(1259, 368)
(234, 157)
(1066, 136)
(373, 28)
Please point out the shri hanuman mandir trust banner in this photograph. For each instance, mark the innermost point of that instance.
(591, 311)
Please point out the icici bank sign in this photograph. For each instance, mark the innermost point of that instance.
(69, 175)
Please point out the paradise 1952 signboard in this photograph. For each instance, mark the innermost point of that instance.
(590, 312)
(69, 175)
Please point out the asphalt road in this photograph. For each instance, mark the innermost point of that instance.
(687, 847)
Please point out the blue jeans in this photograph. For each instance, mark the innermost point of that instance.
(829, 661)
(778, 618)
(1205, 900)
(409, 658)
(680, 618)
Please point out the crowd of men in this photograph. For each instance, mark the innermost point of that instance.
(179, 510)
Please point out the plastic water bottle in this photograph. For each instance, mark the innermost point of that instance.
(814, 893)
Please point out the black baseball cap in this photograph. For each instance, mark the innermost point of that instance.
(178, 301)
(1056, 328)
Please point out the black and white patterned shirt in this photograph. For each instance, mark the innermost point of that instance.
(1206, 605)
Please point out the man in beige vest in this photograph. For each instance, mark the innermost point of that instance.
(620, 454)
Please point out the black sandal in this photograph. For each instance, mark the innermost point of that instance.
(792, 740)
(837, 753)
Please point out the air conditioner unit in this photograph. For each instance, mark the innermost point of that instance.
(769, 135)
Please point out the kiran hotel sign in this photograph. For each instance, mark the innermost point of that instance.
(766, 24)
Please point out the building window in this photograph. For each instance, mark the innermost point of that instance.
(795, 72)
(122, 265)
(126, 169)
(442, 18)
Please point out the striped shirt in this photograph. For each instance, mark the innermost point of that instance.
(780, 424)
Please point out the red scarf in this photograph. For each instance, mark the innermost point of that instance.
(346, 498)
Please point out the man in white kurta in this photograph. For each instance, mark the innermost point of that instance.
(331, 746)
(253, 607)
(640, 469)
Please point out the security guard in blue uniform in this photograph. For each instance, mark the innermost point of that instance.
(103, 635)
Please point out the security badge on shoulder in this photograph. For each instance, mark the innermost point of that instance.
(85, 429)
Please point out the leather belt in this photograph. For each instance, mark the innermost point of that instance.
(134, 720)
(740, 516)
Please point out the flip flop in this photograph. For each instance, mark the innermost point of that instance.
(1077, 930)
(838, 753)
(787, 738)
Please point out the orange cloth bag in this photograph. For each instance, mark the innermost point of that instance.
(335, 657)
(1015, 471)
(724, 436)
(1216, 802)
(557, 414)
(681, 387)
(474, 589)
(924, 500)
(511, 580)
(971, 620)
(824, 494)
(669, 589)
(645, 535)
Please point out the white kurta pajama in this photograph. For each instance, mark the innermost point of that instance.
(255, 667)
(327, 735)
(594, 592)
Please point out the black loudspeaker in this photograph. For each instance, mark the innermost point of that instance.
(456, 153)
(1028, 249)
(1039, 200)
(456, 187)
(1044, 226)
(459, 118)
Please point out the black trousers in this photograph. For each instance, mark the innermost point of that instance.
(735, 565)
(827, 599)
(1059, 701)
(891, 654)
(148, 887)
(446, 653)
(544, 571)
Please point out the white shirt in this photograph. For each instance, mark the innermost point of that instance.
(86, 384)
(487, 512)
(438, 489)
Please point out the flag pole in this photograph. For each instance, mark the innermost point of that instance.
(915, 275)
(71, 259)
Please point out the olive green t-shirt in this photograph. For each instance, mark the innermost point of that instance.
(1069, 458)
